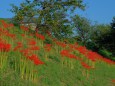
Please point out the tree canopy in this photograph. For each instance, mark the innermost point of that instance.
(51, 15)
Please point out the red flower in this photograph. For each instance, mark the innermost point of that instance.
(32, 57)
(64, 52)
(40, 36)
(69, 55)
(74, 57)
(86, 65)
(38, 62)
(11, 35)
(108, 61)
(32, 42)
(82, 50)
(5, 47)
(1, 46)
(19, 45)
(25, 52)
(34, 48)
(61, 44)
(24, 28)
(4, 24)
(35, 59)
(47, 47)
(91, 55)
(11, 25)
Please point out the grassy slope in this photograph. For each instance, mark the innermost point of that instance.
(57, 70)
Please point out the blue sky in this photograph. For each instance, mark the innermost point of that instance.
(101, 11)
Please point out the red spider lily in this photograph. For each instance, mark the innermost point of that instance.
(82, 50)
(19, 45)
(11, 25)
(61, 44)
(11, 35)
(97, 56)
(4, 24)
(34, 48)
(108, 61)
(32, 42)
(5, 32)
(64, 52)
(47, 47)
(71, 46)
(31, 57)
(69, 55)
(24, 28)
(86, 65)
(5, 47)
(36, 60)
(25, 52)
(16, 48)
(74, 57)
(91, 55)
(40, 36)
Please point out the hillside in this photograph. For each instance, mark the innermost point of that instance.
(33, 59)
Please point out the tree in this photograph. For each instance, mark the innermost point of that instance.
(51, 15)
(103, 36)
(112, 35)
(82, 28)
(113, 23)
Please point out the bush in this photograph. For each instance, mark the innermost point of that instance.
(105, 53)
(92, 46)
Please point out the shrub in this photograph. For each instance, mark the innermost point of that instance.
(105, 53)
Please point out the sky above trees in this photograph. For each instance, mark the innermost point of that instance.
(101, 11)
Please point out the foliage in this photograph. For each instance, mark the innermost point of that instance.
(82, 28)
(50, 15)
(105, 53)
(103, 36)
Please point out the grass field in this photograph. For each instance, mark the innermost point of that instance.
(33, 59)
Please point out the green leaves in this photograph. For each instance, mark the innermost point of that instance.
(50, 14)
(82, 27)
